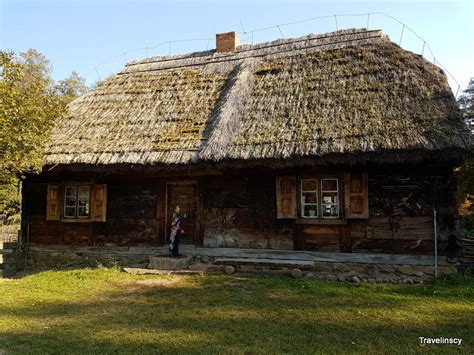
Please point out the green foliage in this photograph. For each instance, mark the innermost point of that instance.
(466, 101)
(30, 104)
(106, 311)
(73, 86)
(465, 173)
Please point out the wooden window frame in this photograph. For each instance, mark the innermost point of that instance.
(340, 220)
(76, 207)
(337, 191)
(303, 204)
(88, 219)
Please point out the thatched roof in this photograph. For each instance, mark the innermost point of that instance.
(340, 94)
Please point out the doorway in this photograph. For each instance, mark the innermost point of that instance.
(183, 194)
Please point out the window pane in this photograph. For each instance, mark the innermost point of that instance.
(70, 212)
(76, 201)
(310, 211)
(330, 197)
(308, 185)
(83, 191)
(83, 212)
(309, 197)
(329, 184)
(71, 201)
(70, 191)
(330, 210)
(83, 201)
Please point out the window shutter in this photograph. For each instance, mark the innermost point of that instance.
(356, 195)
(99, 203)
(53, 203)
(286, 196)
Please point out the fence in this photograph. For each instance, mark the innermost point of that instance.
(466, 251)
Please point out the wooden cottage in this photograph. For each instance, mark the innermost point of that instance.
(340, 142)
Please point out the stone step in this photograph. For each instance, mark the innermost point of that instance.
(139, 271)
(279, 263)
(168, 263)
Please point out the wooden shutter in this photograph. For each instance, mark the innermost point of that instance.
(99, 202)
(286, 196)
(356, 195)
(53, 202)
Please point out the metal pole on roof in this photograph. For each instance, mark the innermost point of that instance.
(97, 72)
(368, 17)
(335, 19)
(401, 36)
(282, 35)
(423, 50)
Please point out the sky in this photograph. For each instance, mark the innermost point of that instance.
(97, 37)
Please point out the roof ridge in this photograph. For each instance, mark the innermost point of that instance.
(337, 39)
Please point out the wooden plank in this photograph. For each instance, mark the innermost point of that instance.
(199, 240)
(321, 230)
(277, 263)
(398, 227)
(404, 246)
(160, 213)
(345, 244)
(77, 234)
(286, 197)
(46, 232)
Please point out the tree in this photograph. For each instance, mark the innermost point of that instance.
(465, 173)
(30, 103)
(466, 100)
(73, 86)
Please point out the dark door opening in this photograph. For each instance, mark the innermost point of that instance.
(184, 195)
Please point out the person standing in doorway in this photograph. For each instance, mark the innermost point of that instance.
(176, 231)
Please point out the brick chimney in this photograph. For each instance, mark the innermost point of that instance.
(226, 42)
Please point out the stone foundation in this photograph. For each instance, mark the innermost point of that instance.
(9, 261)
(371, 268)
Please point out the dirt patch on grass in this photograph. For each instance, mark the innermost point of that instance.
(175, 282)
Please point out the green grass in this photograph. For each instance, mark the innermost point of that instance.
(107, 311)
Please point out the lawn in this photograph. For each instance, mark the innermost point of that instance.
(108, 311)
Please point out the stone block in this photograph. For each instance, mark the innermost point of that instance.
(386, 268)
(229, 269)
(372, 270)
(296, 273)
(339, 267)
(322, 267)
(167, 263)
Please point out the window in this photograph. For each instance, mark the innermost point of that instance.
(309, 198)
(76, 201)
(320, 198)
(323, 199)
(330, 198)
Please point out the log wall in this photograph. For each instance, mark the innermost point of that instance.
(401, 212)
(240, 211)
(237, 209)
